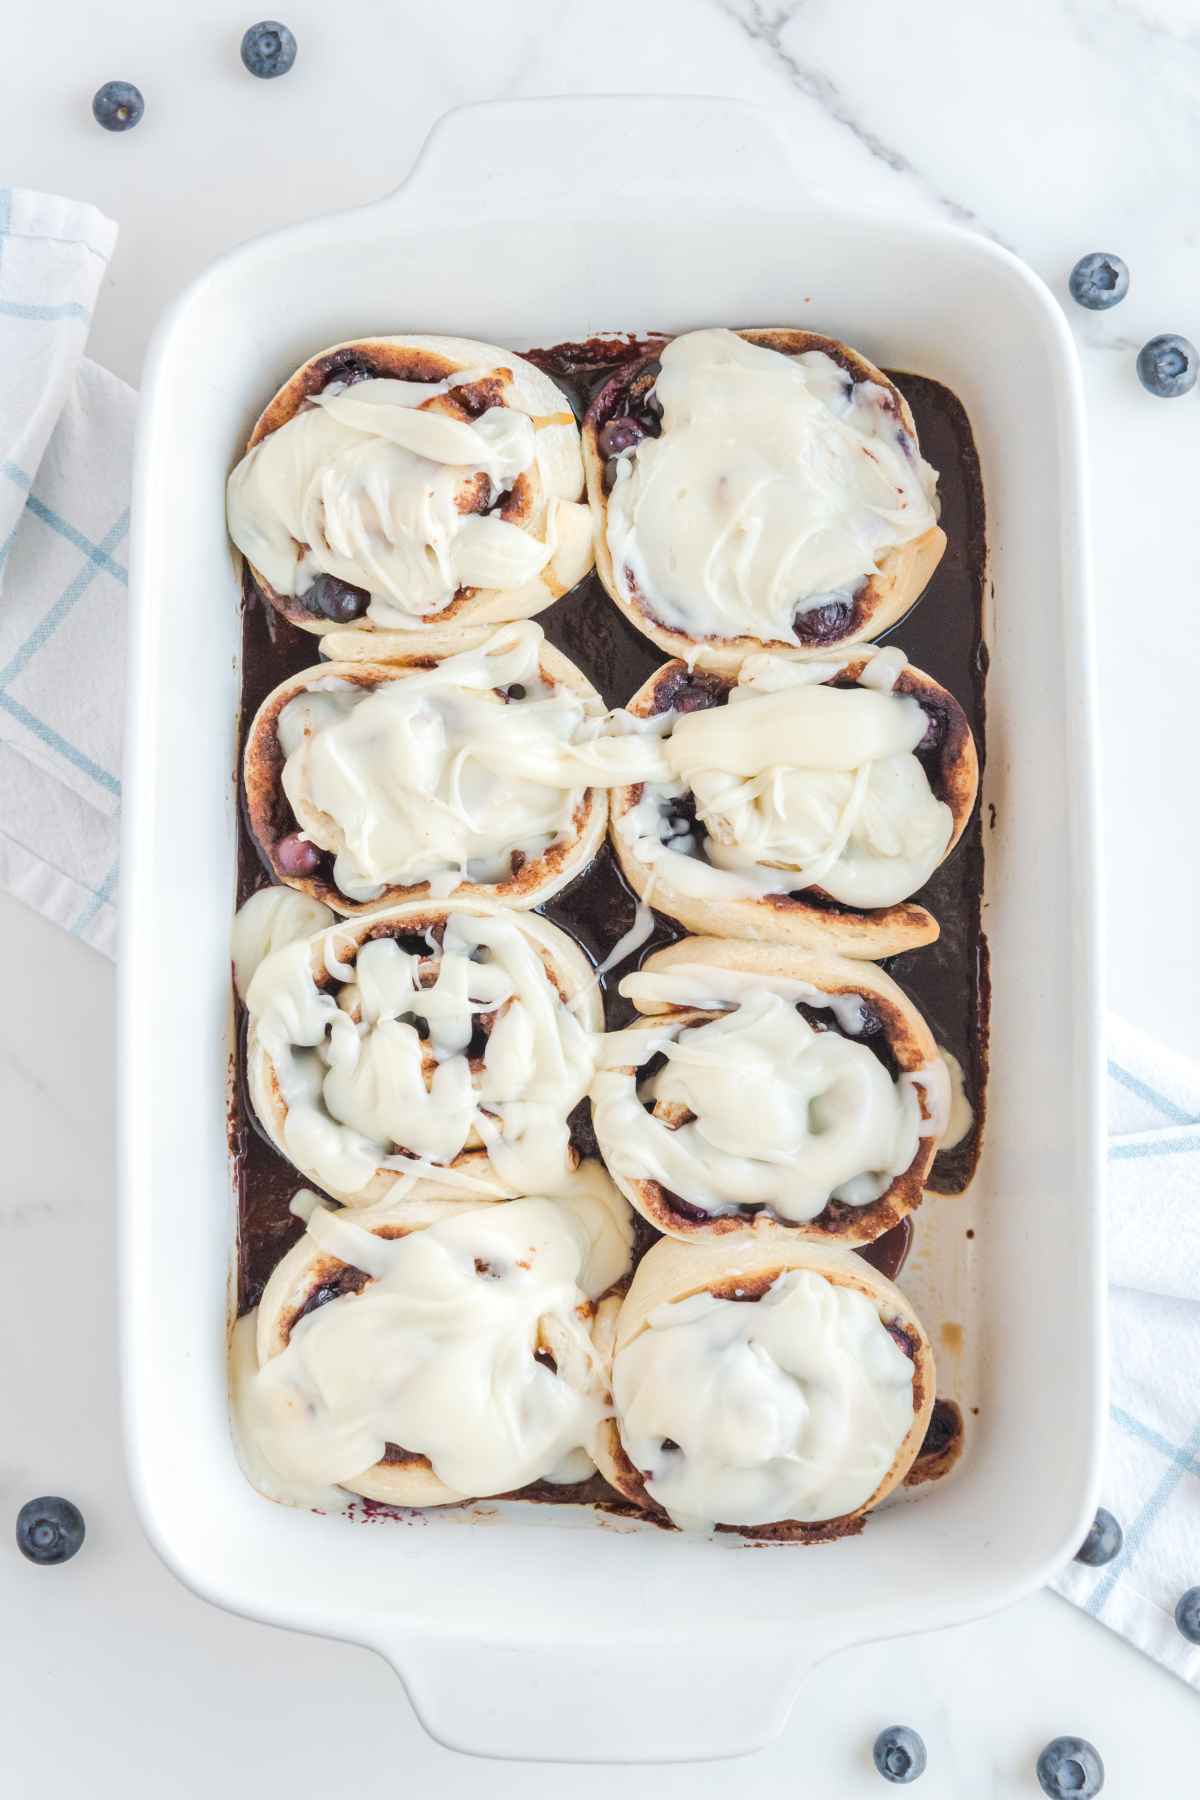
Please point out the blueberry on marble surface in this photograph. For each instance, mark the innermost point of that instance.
(1099, 281)
(118, 105)
(1069, 1768)
(1103, 1541)
(899, 1754)
(1167, 365)
(268, 49)
(1187, 1615)
(49, 1530)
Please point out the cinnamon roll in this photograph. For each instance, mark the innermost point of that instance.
(799, 802)
(477, 772)
(759, 488)
(424, 1352)
(769, 1090)
(778, 1389)
(409, 482)
(440, 1045)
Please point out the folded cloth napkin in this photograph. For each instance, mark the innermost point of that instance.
(66, 438)
(1151, 1481)
(66, 431)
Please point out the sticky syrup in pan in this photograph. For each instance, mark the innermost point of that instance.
(948, 979)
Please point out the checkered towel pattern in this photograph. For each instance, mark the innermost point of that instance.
(66, 438)
(66, 431)
(1152, 1469)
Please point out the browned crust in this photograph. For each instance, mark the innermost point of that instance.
(883, 599)
(534, 879)
(813, 917)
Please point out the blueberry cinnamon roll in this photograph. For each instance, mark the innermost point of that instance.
(403, 483)
(759, 488)
(802, 803)
(770, 1091)
(777, 1389)
(439, 1044)
(420, 1353)
(481, 772)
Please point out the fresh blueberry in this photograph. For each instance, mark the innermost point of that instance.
(294, 855)
(618, 435)
(49, 1530)
(1069, 1768)
(1187, 1615)
(118, 105)
(268, 49)
(899, 1754)
(516, 691)
(1166, 366)
(1099, 281)
(336, 600)
(1103, 1541)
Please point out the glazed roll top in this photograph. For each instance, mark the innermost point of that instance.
(799, 784)
(755, 1107)
(442, 774)
(412, 1057)
(793, 1406)
(776, 485)
(468, 1345)
(387, 486)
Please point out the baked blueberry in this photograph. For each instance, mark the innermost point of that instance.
(1099, 281)
(1103, 1541)
(296, 856)
(338, 601)
(118, 105)
(899, 1754)
(1166, 366)
(268, 49)
(1187, 1615)
(618, 435)
(1069, 1768)
(818, 624)
(49, 1530)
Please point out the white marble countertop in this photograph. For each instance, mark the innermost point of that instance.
(1057, 128)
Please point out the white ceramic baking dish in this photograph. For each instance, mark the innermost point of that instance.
(540, 1632)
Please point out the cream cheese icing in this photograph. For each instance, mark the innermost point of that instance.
(469, 1346)
(376, 485)
(740, 1412)
(441, 774)
(797, 784)
(416, 1059)
(827, 1121)
(777, 485)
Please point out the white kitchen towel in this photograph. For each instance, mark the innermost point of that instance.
(66, 439)
(1152, 1469)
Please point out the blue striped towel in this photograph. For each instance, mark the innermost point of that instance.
(66, 431)
(66, 438)
(1152, 1468)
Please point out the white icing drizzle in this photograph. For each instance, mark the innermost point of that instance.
(755, 1107)
(435, 776)
(270, 919)
(798, 785)
(776, 486)
(793, 1406)
(438, 1353)
(960, 1114)
(378, 485)
(357, 1078)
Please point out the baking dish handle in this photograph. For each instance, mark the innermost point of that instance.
(670, 1701)
(624, 148)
